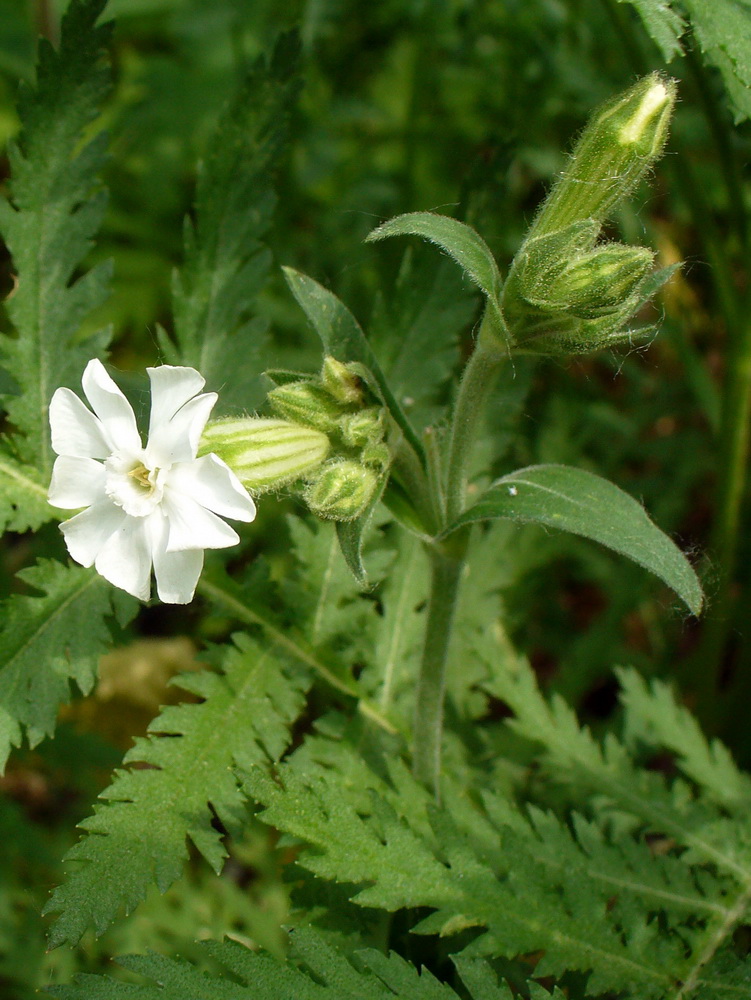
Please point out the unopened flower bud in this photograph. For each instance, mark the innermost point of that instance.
(341, 382)
(362, 428)
(308, 404)
(265, 454)
(620, 143)
(341, 490)
(600, 282)
(376, 455)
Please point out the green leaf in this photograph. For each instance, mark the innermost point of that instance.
(560, 496)
(344, 340)
(313, 970)
(723, 31)
(55, 206)
(43, 646)
(415, 329)
(138, 836)
(23, 498)
(663, 25)
(226, 264)
(459, 241)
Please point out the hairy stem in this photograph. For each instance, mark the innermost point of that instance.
(445, 577)
(447, 565)
(477, 381)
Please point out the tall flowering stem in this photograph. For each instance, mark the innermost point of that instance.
(448, 557)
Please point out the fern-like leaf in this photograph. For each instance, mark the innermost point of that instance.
(56, 205)
(138, 836)
(313, 971)
(43, 646)
(226, 264)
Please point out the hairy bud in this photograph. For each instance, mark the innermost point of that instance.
(362, 428)
(341, 490)
(305, 403)
(341, 382)
(600, 282)
(618, 146)
(265, 454)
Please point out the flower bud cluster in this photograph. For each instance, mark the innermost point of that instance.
(324, 435)
(567, 293)
(335, 404)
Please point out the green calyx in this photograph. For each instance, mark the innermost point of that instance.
(617, 148)
(265, 454)
(565, 294)
(341, 490)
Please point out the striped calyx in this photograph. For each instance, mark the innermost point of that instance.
(263, 453)
(341, 490)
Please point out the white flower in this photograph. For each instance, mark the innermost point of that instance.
(156, 505)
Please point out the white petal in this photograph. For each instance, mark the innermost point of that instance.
(87, 533)
(177, 575)
(214, 485)
(112, 408)
(125, 558)
(75, 429)
(171, 388)
(191, 526)
(177, 440)
(76, 482)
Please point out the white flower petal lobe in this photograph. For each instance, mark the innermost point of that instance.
(76, 482)
(112, 408)
(212, 483)
(75, 429)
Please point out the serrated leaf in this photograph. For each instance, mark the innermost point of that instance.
(663, 24)
(56, 205)
(44, 648)
(314, 970)
(226, 264)
(560, 496)
(138, 836)
(343, 339)
(23, 498)
(723, 31)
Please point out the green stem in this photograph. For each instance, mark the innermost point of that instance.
(445, 577)
(447, 564)
(735, 442)
(477, 381)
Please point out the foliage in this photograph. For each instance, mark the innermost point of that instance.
(445, 746)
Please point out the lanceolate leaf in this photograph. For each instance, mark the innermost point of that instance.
(138, 837)
(55, 207)
(343, 339)
(226, 265)
(50, 641)
(459, 241)
(574, 500)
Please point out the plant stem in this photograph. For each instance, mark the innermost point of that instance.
(445, 578)
(447, 560)
(735, 443)
(477, 381)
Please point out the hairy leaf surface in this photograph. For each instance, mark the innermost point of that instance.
(226, 264)
(560, 496)
(44, 647)
(56, 205)
(138, 836)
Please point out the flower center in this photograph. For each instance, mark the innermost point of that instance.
(132, 485)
